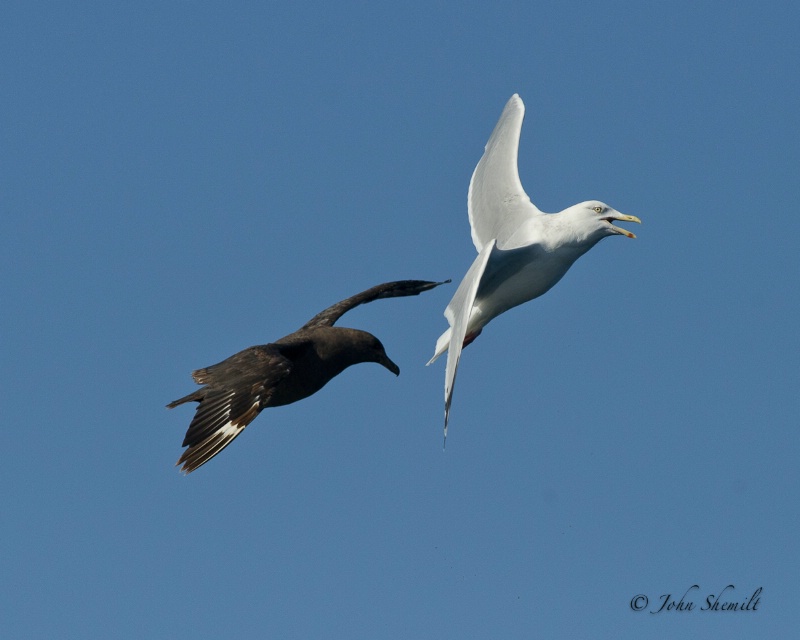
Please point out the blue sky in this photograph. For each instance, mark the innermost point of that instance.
(183, 180)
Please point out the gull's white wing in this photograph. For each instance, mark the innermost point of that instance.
(458, 313)
(497, 203)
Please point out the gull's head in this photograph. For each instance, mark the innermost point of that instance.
(597, 218)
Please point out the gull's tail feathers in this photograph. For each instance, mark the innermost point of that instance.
(442, 344)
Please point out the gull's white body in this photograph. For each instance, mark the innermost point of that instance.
(522, 252)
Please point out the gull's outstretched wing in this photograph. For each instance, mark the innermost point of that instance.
(396, 289)
(457, 314)
(497, 203)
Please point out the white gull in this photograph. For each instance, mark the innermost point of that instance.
(522, 252)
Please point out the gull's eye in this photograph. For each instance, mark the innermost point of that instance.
(598, 209)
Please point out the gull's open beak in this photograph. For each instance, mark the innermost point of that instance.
(622, 218)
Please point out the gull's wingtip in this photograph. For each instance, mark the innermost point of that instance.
(446, 420)
(516, 100)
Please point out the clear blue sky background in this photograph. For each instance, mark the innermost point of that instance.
(183, 180)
